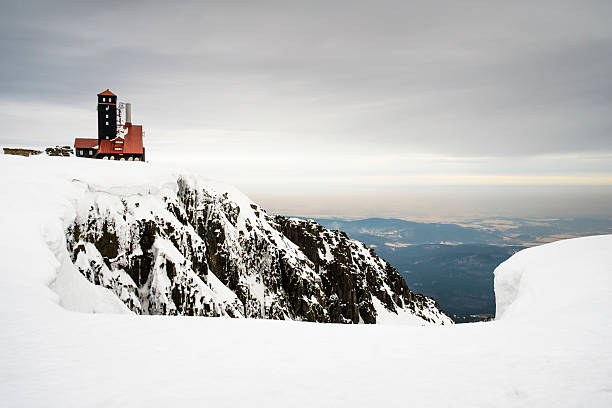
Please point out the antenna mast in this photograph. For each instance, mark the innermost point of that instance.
(119, 107)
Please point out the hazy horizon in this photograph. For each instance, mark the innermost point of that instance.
(395, 109)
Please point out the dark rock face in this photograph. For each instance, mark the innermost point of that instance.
(209, 251)
(21, 152)
(64, 151)
(352, 274)
(253, 259)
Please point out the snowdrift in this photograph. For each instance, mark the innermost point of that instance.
(549, 346)
(569, 279)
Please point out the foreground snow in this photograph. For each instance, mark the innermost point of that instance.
(549, 347)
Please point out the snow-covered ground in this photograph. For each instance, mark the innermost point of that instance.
(550, 345)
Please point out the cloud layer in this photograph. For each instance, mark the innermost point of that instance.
(326, 93)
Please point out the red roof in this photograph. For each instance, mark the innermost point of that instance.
(133, 139)
(85, 143)
(131, 144)
(106, 146)
(107, 93)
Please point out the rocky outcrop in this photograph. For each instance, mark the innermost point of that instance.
(203, 249)
(20, 152)
(353, 275)
(64, 151)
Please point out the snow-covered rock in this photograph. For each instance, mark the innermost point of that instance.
(183, 245)
(199, 248)
(358, 284)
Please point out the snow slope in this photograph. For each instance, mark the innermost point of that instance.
(550, 345)
(561, 280)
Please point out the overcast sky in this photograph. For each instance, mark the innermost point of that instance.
(336, 108)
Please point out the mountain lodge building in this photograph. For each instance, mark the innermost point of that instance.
(116, 141)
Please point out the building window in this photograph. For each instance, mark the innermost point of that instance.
(107, 116)
(91, 152)
(79, 152)
(103, 99)
(107, 107)
(107, 123)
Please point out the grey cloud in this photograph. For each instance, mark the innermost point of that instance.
(480, 78)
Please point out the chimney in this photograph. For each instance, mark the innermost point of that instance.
(128, 113)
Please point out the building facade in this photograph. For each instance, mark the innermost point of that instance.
(116, 141)
(107, 115)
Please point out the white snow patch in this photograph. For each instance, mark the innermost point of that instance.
(556, 281)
